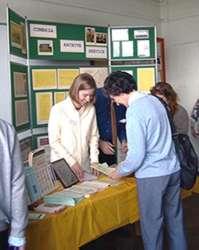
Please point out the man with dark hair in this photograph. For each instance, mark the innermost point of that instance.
(151, 156)
(13, 206)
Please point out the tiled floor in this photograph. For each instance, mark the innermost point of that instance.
(127, 239)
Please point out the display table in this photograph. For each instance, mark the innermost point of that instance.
(101, 213)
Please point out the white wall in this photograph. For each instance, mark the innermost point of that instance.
(180, 19)
(103, 12)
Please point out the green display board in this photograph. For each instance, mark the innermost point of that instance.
(132, 43)
(20, 96)
(17, 34)
(58, 41)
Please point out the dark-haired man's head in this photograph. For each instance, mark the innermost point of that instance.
(119, 85)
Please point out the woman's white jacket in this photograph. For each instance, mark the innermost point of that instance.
(73, 134)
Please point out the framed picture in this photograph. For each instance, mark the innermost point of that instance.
(45, 47)
(64, 173)
(90, 35)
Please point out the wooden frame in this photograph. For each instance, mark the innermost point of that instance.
(161, 59)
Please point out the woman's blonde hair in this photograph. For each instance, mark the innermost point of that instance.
(166, 90)
(81, 82)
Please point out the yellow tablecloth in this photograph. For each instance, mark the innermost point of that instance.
(91, 218)
(102, 212)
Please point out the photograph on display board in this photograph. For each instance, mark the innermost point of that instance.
(21, 112)
(90, 35)
(45, 47)
(44, 103)
(100, 38)
(15, 30)
(44, 79)
(23, 39)
(20, 84)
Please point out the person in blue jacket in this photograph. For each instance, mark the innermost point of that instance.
(103, 112)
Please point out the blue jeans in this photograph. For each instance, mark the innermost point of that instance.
(160, 204)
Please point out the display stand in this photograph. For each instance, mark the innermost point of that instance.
(53, 54)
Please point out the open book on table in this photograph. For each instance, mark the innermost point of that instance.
(103, 168)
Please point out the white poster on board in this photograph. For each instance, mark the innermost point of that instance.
(143, 48)
(96, 52)
(120, 34)
(43, 30)
(73, 46)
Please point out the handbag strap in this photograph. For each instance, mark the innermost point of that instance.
(169, 115)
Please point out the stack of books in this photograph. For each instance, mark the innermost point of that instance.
(73, 195)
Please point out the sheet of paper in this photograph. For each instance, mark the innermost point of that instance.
(49, 208)
(98, 73)
(116, 49)
(143, 48)
(141, 34)
(59, 96)
(21, 112)
(44, 79)
(20, 84)
(145, 79)
(66, 77)
(120, 34)
(44, 102)
(127, 48)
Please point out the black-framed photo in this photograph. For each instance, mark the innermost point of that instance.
(64, 173)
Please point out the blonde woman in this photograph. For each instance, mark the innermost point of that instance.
(72, 127)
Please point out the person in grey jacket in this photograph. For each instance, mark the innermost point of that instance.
(165, 91)
(13, 204)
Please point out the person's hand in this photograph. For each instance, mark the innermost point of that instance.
(124, 147)
(94, 171)
(106, 147)
(114, 175)
(78, 171)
